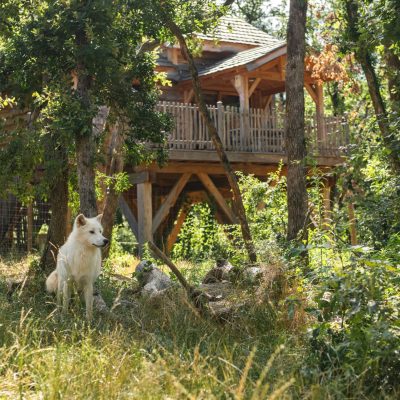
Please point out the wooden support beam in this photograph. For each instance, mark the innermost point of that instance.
(173, 236)
(311, 92)
(128, 214)
(253, 86)
(213, 190)
(145, 214)
(282, 68)
(29, 223)
(140, 177)
(188, 96)
(169, 201)
(172, 55)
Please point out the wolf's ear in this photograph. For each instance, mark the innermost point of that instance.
(80, 220)
(99, 217)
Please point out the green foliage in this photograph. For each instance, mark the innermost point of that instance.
(357, 332)
(198, 237)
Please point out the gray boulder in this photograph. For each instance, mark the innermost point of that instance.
(151, 279)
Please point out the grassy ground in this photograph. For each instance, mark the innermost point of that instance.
(153, 351)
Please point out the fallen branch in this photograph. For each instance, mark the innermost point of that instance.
(198, 297)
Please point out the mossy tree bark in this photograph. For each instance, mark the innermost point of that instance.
(295, 134)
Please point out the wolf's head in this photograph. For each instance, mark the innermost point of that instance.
(89, 230)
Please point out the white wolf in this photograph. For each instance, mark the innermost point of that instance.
(79, 262)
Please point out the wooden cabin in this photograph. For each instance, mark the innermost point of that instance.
(242, 71)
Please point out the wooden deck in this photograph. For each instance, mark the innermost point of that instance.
(255, 136)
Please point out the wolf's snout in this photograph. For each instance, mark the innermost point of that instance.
(105, 241)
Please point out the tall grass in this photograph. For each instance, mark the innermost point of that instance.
(157, 350)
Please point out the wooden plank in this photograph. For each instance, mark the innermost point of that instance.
(128, 214)
(145, 214)
(169, 201)
(209, 185)
(193, 156)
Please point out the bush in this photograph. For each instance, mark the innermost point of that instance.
(356, 336)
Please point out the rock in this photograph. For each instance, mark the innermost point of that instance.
(218, 290)
(225, 310)
(222, 272)
(252, 274)
(151, 279)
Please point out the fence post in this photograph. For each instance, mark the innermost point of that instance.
(221, 122)
(29, 223)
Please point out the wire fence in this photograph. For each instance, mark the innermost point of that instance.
(23, 227)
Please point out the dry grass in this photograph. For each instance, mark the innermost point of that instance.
(155, 351)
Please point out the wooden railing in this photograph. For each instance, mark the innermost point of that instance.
(257, 131)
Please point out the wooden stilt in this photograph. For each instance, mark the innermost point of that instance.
(145, 214)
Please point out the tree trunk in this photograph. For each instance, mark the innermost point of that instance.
(337, 99)
(198, 93)
(363, 56)
(58, 205)
(392, 62)
(116, 166)
(85, 141)
(295, 136)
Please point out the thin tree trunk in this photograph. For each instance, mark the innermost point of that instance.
(337, 99)
(295, 135)
(85, 141)
(393, 74)
(198, 93)
(116, 166)
(58, 196)
(363, 56)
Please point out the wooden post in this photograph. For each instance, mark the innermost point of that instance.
(145, 214)
(242, 87)
(320, 114)
(29, 218)
(352, 224)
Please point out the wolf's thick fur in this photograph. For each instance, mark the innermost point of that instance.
(79, 262)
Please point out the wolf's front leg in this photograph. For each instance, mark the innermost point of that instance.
(88, 293)
(66, 296)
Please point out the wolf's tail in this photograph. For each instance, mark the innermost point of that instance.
(52, 282)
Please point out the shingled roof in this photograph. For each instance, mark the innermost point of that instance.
(242, 58)
(236, 30)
